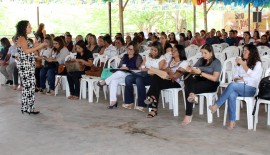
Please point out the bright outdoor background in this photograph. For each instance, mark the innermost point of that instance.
(78, 18)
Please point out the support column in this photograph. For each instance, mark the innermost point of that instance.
(249, 17)
(121, 18)
(205, 16)
(194, 19)
(110, 17)
(37, 15)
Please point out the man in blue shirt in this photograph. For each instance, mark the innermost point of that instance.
(231, 40)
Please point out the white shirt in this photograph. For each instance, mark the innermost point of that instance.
(150, 62)
(241, 42)
(60, 57)
(110, 51)
(183, 64)
(251, 77)
(13, 52)
(168, 57)
(47, 52)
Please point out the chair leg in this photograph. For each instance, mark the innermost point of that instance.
(225, 113)
(268, 115)
(175, 102)
(256, 116)
(209, 113)
(201, 104)
(105, 91)
(249, 105)
(238, 109)
(162, 97)
(184, 95)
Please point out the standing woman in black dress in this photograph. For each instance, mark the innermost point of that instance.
(26, 66)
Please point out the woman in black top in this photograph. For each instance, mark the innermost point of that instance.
(84, 57)
(208, 69)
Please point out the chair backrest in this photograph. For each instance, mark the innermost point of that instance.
(192, 60)
(114, 62)
(265, 65)
(95, 55)
(228, 69)
(262, 49)
(267, 72)
(217, 48)
(231, 51)
(99, 58)
(240, 47)
(191, 50)
(224, 45)
(221, 57)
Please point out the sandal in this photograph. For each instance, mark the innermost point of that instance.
(142, 109)
(150, 100)
(101, 83)
(152, 113)
(193, 98)
(213, 108)
(127, 106)
(70, 97)
(231, 125)
(74, 98)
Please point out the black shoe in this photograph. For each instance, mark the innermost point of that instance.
(112, 106)
(31, 112)
(10, 82)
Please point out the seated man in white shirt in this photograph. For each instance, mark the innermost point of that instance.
(110, 51)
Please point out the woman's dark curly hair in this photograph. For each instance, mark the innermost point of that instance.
(61, 43)
(21, 28)
(253, 56)
(159, 48)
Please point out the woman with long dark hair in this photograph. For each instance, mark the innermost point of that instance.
(155, 60)
(246, 79)
(175, 70)
(5, 68)
(85, 58)
(204, 79)
(59, 53)
(41, 32)
(26, 66)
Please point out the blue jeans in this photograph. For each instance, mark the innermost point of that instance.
(140, 82)
(50, 73)
(231, 93)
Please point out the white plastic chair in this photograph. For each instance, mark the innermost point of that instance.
(231, 51)
(265, 64)
(192, 60)
(217, 48)
(210, 100)
(92, 87)
(191, 50)
(224, 45)
(172, 96)
(221, 57)
(61, 80)
(262, 50)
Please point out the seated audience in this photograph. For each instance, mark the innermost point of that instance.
(69, 43)
(212, 39)
(182, 40)
(142, 79)
(231, 40)
(120, 45)
(198, 40)
(246, 79)
(85, 58)
(59, 53)
(130, 61)
(247, 39)
(175, 70)
(264, 41)
(203, 78)
(5, 68)
(92, 43)
(172, 39)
